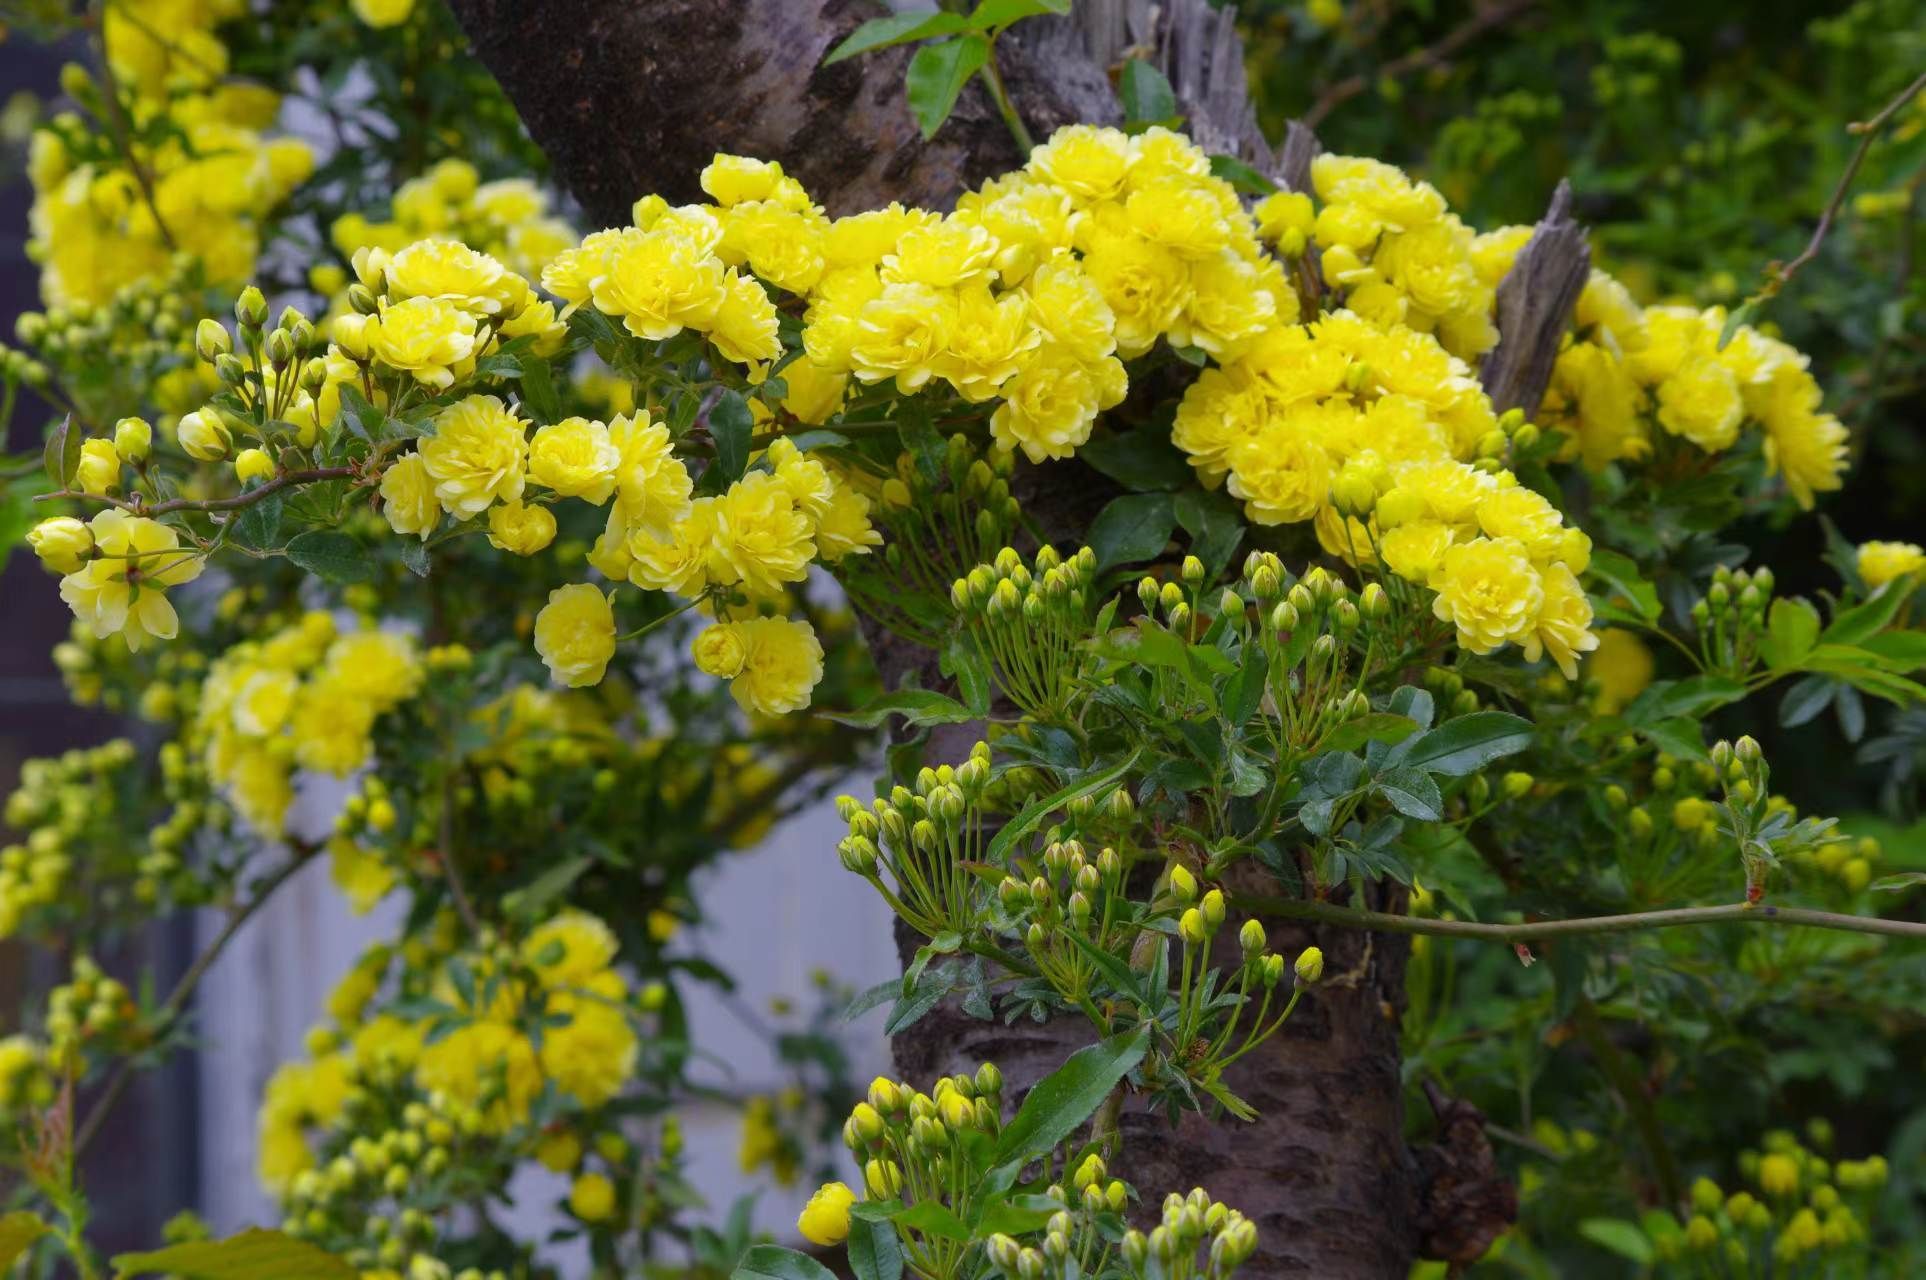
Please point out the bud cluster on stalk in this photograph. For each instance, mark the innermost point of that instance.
(915, 843)
(1028, 622)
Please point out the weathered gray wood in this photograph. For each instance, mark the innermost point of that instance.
(1535, 301)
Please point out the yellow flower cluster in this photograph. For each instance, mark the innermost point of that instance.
(306, 697)
(1629, 370)
(589, 1053)
(486, 1073)
(509, 219)
(202, 190)
(1401, 256)
(53, 807)
(1033, 291)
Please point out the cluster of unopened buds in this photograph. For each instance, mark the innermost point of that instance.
(935, 527)
(923, 838)
(1192, 1225)
(1029, 621)
(1078, 1238)
(91, 1012)
(1731, 618)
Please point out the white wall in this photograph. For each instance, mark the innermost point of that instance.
(790, 909)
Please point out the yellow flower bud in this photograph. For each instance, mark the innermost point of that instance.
(592, 1198)
(1310, 965)
(825, 1219)
(252, 464)
(133, 439)
(1183, 883)
(63, 543)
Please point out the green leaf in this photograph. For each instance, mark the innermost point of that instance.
(1792, 629)
(1214, 523)
(730, 426)
(937, 75)
(1622, 575)
(414, 554)
(538, 390)
(1621, 1237)
(61, 457)
(899, 28)
(259, 526)
(1247, 180)
(499, 366)
(1899, 652)
(1142, 460)
(1681, 737)
(965, 663)
(1740, 315)
(331, 556)
(1067, 1096)
(1458, 747)
(1132, 529)
(18, 1231)
(1147, 96)
(909, 1009)
(1861, 622)
(933, 1219)
(993, 15)
(1895, 883)
(773, 1262)
(252, 1255)
(874, 1251)
(1019, 827)
(1806, 699)
(1373, 726)
(1669, 699)
(916, 706)
(1412, 793)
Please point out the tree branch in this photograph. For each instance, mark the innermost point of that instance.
(1536, 930)
(1777, 275)
(174, 1008)
(1535, 301)
(284, 480)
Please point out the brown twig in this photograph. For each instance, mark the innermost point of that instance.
(284, 480)
(1779, 275)
(123, 138)
(1432, 55)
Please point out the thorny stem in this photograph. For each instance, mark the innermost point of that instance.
(1631, 922)
(175, 1006)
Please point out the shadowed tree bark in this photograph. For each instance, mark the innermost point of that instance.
(627, 98)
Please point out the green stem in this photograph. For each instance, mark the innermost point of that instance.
(1012, 119)
(1632, 922)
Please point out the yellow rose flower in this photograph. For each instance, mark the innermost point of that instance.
(451, 272)
(408, 497)
(658, 282)
(1701, 402)
(1563, 629)
(575, 458)
(477, 455)
(762, 538)
(1051, 404)
(575, 634)
(782, 661)
(423, 337)
(124, 590)
(825, 1219)
(719, 651)
(1623, 667)
(1881, 562)
(1488, 589)
(654, 484)
(520, 529)
(743, 327)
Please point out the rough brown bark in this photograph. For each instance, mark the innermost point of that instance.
(629, 97)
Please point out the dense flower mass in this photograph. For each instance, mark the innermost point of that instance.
(303, 698)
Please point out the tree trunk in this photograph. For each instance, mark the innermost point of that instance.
(628, 97)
